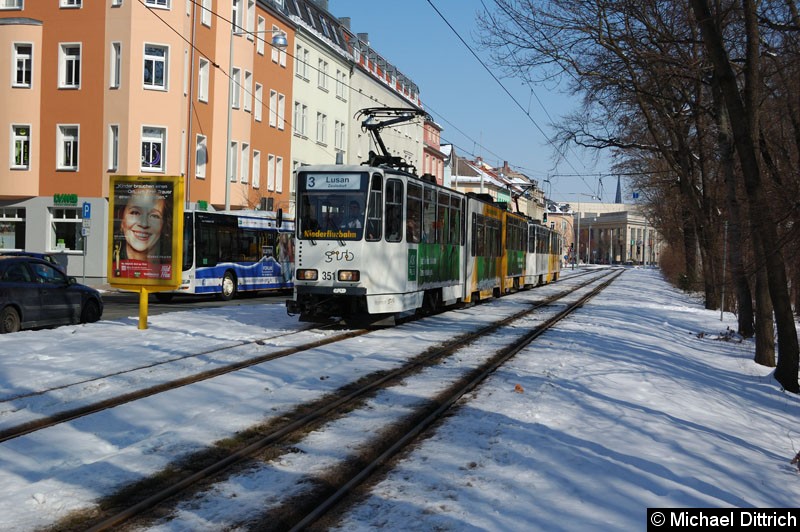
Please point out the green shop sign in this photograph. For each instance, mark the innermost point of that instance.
(65, 199)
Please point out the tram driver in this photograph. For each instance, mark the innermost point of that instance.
(353, 220)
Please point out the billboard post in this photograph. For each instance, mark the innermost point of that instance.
(145, 242)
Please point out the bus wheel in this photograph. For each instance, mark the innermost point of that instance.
(228, 287)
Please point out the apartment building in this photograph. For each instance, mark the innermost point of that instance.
(122, 87)
(193, 88)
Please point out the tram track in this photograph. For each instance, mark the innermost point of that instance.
(303, 420)
(19, 401)
(71, 414)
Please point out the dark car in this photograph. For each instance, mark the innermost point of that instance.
(34, 293)
(44, 256)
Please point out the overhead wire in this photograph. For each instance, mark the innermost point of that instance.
(293, 57)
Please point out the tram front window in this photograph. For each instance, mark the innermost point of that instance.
(331, 205)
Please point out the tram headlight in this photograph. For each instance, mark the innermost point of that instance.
(306, 275)
(349, 276)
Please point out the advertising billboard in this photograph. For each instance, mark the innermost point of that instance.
(145, 232)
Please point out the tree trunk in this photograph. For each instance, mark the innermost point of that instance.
(743, 113)
(735, 217)
(765, 326)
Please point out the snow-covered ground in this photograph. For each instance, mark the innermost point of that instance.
(639, 400)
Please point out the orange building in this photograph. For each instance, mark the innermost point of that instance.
(121, 87)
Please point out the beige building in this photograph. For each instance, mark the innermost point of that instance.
(605, 233)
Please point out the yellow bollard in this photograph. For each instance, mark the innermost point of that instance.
(142, 308)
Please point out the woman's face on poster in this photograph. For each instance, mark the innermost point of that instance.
(143, 219)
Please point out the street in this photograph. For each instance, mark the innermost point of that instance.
(120, 304)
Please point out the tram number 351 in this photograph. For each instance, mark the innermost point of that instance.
(328, 276)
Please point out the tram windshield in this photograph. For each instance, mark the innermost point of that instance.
(331, 205)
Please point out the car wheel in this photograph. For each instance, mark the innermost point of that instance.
(9, 320)
(228, 287)
(91, 312)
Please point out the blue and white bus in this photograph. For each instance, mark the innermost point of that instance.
(229, 252)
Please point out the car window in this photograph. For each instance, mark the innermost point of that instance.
(45, 273)
(17, 273)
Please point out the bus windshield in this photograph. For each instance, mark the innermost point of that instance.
(331, 204)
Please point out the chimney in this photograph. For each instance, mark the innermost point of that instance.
(345, 21)
(321, 3)
(363, 37)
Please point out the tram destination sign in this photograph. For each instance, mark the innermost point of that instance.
(323, 181)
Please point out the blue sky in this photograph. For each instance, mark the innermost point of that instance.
(477, 114)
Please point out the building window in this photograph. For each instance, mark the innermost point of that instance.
(233, 157)
(113, 147)
(205, 14)
(155, 66)
(236, 88)
(270, 172)
(20, 147)
(12, 228)
(322, 74)
(158, 3)
(67, 148)
(12, 4)
(256, 168)
(300, 119)
(202, 80)
(69, 66)
(245, 162)
(116, 65)
(341, 85)
(278, 54)
(278, 174)
(250, 18)
(301, 59)
(201, 157)
(322, 128)
(248, 90)
(153, 144)
(338, 135)
(70, 3)
(281, 111)
(260, 30)
(66, 229)
(236, 15)
(23, 59)
(259, 105)
(116, 3)
(273, 108)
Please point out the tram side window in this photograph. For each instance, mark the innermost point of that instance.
(394, 210)
(455, 221)
(413, 213)
(496, 236)
(480, 236)
(429, 215)
(531, 239)
(375, 210)
(443, 219)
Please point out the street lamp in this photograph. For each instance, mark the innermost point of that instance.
(278, 41)
(578, 239)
